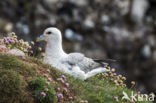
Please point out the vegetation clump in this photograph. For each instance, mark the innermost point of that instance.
(9, 62)
(43, 92)
(13, 88)
(12, 42)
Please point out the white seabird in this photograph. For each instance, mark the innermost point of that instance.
(75, 64)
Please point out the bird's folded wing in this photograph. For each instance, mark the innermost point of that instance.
(85, 64)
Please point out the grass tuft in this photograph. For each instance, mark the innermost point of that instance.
(13, 88)
(38, 85)
(10, 62)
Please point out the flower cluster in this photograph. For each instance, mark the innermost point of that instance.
(43, 93)
(83, 101)
(63, 93)
(49, 80)
(118, 80)
(12, 42)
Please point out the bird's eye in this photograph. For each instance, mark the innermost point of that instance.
(49, 32)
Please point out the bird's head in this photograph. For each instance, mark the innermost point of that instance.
(50, 34)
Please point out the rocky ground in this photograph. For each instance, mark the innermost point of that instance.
(123, 30)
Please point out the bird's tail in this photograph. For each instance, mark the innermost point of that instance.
(96, 71)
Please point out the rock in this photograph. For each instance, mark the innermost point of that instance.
(89, 23)
(146, 51)
(16, 52)
(3, 49)
(79, 2)
(71, 35)
(105, 18)
(139, 8)
(23, 28)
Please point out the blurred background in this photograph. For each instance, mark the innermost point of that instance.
(123, 30)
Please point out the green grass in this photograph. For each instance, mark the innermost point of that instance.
(38, 85)
(15, 87)
(12, 63)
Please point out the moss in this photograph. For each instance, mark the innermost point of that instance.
(10, 62)
(39, 85)
(13, 88)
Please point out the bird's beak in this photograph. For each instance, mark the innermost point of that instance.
(40, 38)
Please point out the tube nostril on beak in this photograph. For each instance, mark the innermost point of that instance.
(39, 38)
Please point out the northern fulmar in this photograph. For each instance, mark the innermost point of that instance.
(75, 64)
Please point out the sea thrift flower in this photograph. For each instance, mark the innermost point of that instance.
(111, 74)
(48, 83)
(113, 70)
(120, 81)
(115, 81)
(49, 79)
(124, 85)
(67, 84)
(123, 78)
(133, 84)
(120, 76)
(112, 79)
(62, 81)
(29, 47)
(60, 95)
(6, 42)
(63, 77)
(10, 41)
(65, 89)
(16, 41)
(58, 88)
(39, 49)
(48, 70)
(105, 74)
(71, 98)
(46, 89)
(42, 54)
(31, 52)
(13, 34)
(26, 44)
(116, 98)
(114, 74)
(43, 94)
(117, 84)
(32, 43)
(21, 40)
(117, 78)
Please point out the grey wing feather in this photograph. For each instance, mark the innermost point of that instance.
(86, 64)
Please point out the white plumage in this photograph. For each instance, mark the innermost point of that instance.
(75, 64)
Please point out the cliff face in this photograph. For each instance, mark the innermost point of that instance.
(120, 30)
